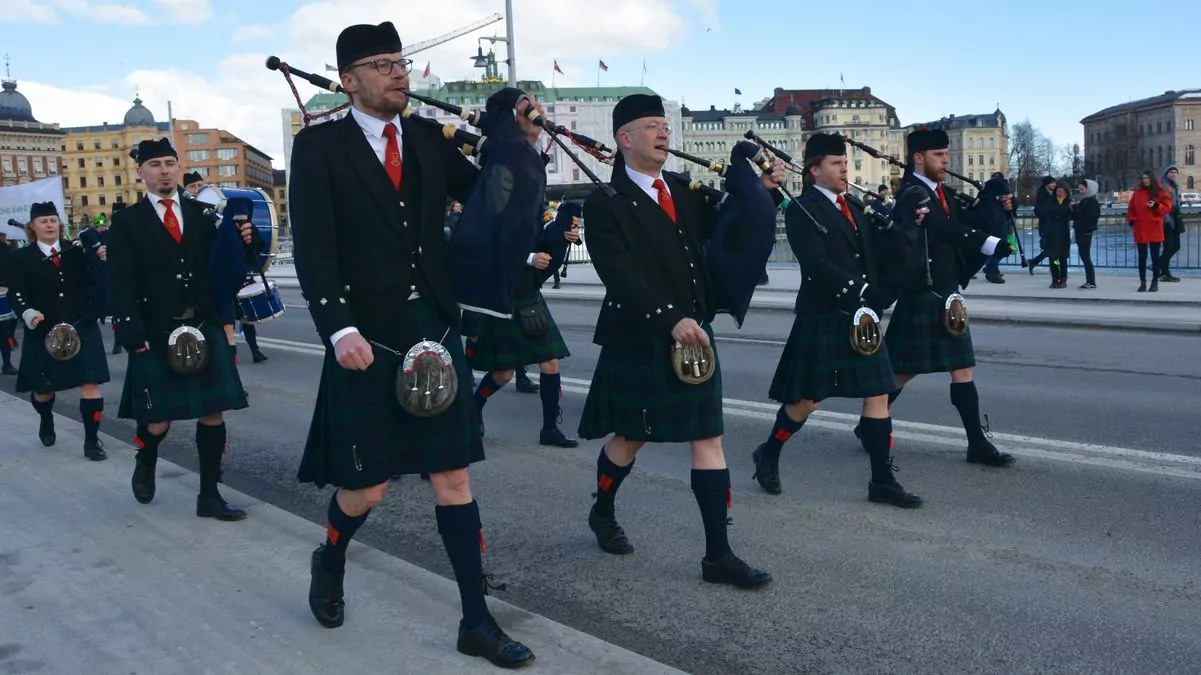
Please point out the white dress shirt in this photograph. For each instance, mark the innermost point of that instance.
(373, 131)
(990, 244)
(161, 209)
(647, 183)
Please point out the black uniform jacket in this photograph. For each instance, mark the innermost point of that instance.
(357, 249)
(836, 261)
(152, 280)
(654, 270)
(954, 244)
(59, 293)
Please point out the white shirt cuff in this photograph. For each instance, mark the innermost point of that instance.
(990, 246)
(333, 340)
(27, 316)
(530, 260)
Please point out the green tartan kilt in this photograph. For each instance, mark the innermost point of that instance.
(917, 341)
(635, 394)
(155, 393)
(818, 363)
(41, 374)
(495, 344)
(360, 436)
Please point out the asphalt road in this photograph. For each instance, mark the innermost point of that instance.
(1082, 559)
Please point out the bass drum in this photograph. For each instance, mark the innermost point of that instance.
(264, 218)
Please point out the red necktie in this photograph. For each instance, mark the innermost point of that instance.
(54, 257)
(665, 199)
(846, 211)
(942, 199)
(392, 155)
(170, 221)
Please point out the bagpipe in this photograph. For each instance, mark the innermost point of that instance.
(232, 263)
(552, 239)
(91, 242)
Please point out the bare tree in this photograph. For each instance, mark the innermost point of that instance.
(1077, 162)
(1031, 156)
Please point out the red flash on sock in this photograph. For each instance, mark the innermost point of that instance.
(483, 545)
(333, 534)
(605, 483)
(783, 435)
(97, 416)
(139, 443)
(486, 392)
(890, 446)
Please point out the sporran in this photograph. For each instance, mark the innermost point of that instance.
(866, 336)
(426, 381)
(62, 342)
(533, 319)
(693, 364)
(954, 315)
(187, 351)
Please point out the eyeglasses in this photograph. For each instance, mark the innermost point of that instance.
(384, 66)
(655, 127)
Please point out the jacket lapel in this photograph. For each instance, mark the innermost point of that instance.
(419, 151)
(651, 217)
(157, 231)
(371, 173)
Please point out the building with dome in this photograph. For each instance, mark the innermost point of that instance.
(98, 171)
(29, 149)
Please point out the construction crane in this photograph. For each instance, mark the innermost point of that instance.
(427, 44)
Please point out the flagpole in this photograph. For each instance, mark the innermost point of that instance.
(598, 74)
(642, 82)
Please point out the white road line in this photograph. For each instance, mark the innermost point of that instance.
(950, 438)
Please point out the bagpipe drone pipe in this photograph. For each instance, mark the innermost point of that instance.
(552, 239)
(230, 259)
(97, 271)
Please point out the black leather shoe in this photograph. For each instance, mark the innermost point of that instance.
(729, 569)
(609, 535)
(143, 479)
(988, 455)
(93, 449)
(46, 431)
(9, 370)
(767, 472)
(893, 494)
(527, 386)
(489, 641)
(213, 506)
(557, 438)
(326, 599)
(259, 357)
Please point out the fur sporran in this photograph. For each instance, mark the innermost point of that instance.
(62, 342)
(426, 382)
(954, 315)
(866, 336)
(187, 351)
(693, 364)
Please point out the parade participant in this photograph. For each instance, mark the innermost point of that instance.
(166, 319)
(927, 332)
(63, 348)
(193, 183)
(834, 243)
(646, 244)
(368, 199)
(8, 318)
(117, 349)
(498, 346)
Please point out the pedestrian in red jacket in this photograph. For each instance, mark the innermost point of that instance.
(1148, 206)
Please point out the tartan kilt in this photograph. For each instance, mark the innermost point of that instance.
(360, 436)
(635, 394)
(41, 374)
(818, 363)
(495, 344)
(155, 393)
(917, 341)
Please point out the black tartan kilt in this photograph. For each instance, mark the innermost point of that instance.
(360, 436)
(495, 344)
(917, 341)
(155, 393)
(41, 374)
(818, 363)
(635, 394)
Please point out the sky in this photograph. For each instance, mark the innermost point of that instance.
(79, 62)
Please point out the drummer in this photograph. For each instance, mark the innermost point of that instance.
(193, 182)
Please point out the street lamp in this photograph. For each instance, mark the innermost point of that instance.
(485, 61)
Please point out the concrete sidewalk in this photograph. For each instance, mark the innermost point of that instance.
(93, 582)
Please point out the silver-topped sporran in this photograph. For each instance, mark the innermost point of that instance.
(866, 336)
(62, 342)
(694, 364)
(954, 315)
(187, 351)
(426, 382)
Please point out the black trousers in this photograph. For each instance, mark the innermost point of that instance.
(1142, 260)
(1084, 245)
(1171, 246)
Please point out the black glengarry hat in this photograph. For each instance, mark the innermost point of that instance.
(363, 39)
(820, 145)
(39, 209)
(148, 150)
(636, 106)
(923, 139)
(192, 177)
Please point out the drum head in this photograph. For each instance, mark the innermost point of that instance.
(252, 290)
(211, 196)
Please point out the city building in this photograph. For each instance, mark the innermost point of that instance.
(979, 146)
(279, 194)
(1122, 141)
(711, 135)
(29, 149)
(97, 170)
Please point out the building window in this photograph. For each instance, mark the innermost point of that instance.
(100, 181)
(227, 170)
(992, 160)
(971, 161)
(140, 195)
(8, 165)
(117, 180)
(95, 145)
(80, 161)
(102, 200)
(198, 155)
(1189, 159)
(575, 175)
(1189, 183)
(37, 165)
(99, 162)
(116, 145)
(83, 201)
(1188, 125)
(116, 161)
(83, 183)
(202, 170)
(198, 139)
(79, 145)
(226, 153)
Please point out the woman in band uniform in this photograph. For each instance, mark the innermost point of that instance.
(48, 286)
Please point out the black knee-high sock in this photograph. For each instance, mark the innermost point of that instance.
(462, 535)
(783, 430)
(91, 411)
(44, 408)
(487, 388)
(549, 391)
(233, 351)
(967, 401)
(713, 495)
(252, 337)
(210, 445)
(6, 349)
(874, 434)
(339, 530)
(608, 478)
(147, 445)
